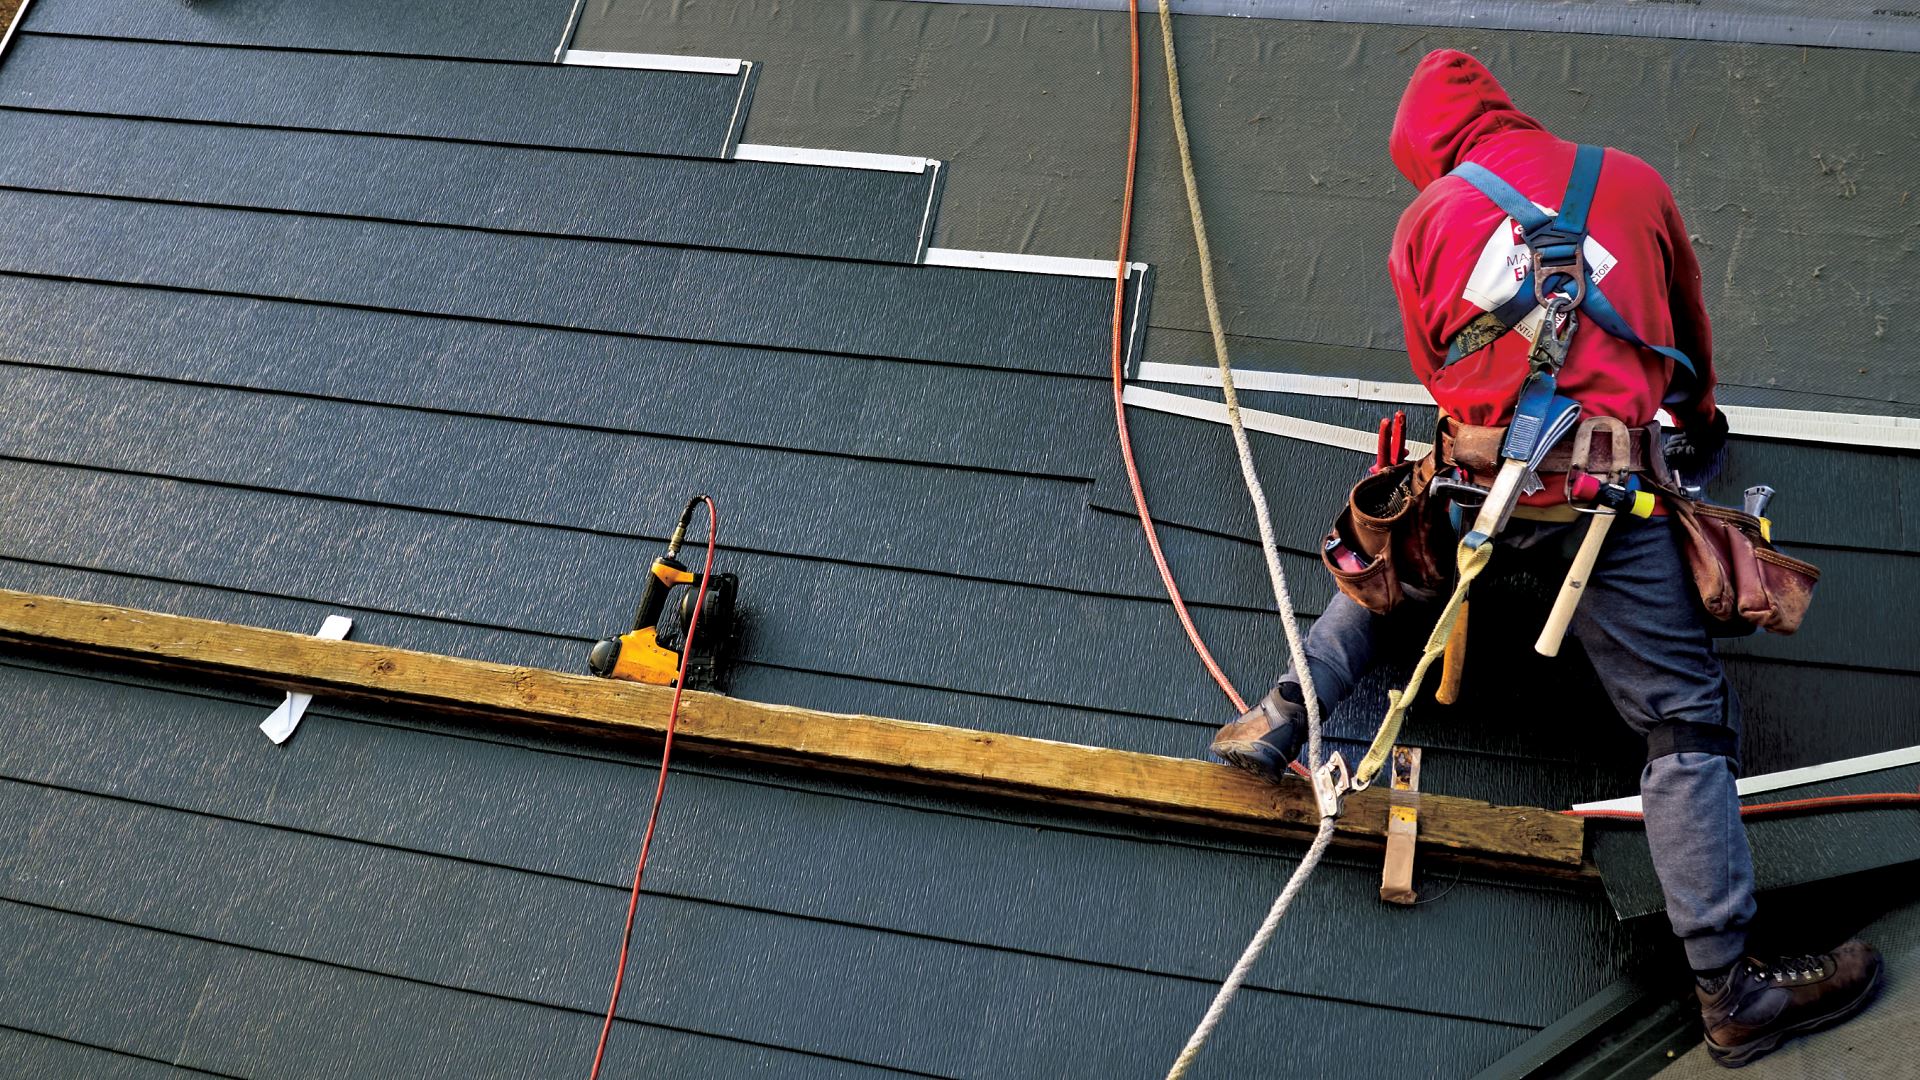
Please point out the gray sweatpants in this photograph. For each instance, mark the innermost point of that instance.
(1657, 664)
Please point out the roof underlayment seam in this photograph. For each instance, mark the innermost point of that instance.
(1865, 27)
(290, 952)
(1004, 814)
(695, 898)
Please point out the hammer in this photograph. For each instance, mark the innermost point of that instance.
(1610, 500)
(1758, 496)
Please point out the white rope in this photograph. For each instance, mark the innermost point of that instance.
(1238, 976)
(1270, 547)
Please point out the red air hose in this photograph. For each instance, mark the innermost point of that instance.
(660, 787)
(1120, 386)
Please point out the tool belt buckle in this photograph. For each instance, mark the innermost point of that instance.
(1331, 782)
(1620, 449)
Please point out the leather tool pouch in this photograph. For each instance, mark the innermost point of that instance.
(1389, 521)
(1745, 585)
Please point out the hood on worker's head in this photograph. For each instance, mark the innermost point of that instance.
(1451, 103)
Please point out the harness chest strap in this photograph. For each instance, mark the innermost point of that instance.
(1554, 243)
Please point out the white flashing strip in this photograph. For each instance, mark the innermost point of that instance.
(1314, 431)
(1850, 429)
(701, 65)
(19, 16)
(832, 159)
(934, 188)
(1847, 429)
(1812, 774)
(1287, 383)
(280, 724)
(1026, 264)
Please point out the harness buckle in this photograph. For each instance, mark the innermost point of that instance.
(1559, 266)
(1331, 782)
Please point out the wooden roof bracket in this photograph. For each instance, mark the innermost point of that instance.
(1521, 839)
(1403, 826)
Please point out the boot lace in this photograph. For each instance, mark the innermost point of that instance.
(1792, 969)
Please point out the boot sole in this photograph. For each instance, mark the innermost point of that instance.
(1734, 1057)
(1252, 755)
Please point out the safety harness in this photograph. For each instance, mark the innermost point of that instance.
(1557, 244)
(1562, 283)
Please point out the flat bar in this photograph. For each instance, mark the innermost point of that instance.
(927, 755)
(699, 65)
(1282, 382)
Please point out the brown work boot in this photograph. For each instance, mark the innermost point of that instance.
(1267, 737)
(1760, 1004)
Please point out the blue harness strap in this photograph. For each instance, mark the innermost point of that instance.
(1553, 240)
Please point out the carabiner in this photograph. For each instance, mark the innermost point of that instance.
(1555, 335)
(1331, 782)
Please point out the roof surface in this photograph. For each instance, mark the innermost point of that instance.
(1877, 1043)
(299, 315)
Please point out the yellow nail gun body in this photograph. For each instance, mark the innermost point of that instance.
(640, 656)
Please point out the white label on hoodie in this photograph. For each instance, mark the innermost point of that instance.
(1505, 262)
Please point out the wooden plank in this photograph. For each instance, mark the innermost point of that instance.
(1039, 770)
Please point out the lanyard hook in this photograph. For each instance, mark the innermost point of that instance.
(1555, 335)
(1331, 782)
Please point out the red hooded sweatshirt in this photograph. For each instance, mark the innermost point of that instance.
(1454, 256)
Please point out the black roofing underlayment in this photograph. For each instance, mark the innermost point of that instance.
(1794, 167)
(368, 311)
(1854, 24)
(800, 916)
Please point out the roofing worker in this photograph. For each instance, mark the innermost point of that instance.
(1458, 262)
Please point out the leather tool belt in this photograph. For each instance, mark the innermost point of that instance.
(1744, 583)
(1405, 539)
(1623, 451)
(1402, 537)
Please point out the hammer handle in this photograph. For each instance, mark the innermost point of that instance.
(1574, 586)
(1453, 662)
